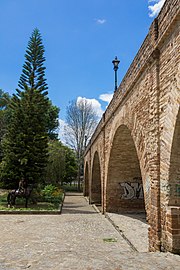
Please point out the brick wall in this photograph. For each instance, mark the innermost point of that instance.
(137, 139)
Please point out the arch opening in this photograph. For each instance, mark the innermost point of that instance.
(124, 191)
(96, 181)
(174, 171)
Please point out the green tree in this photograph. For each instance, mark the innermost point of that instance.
(62, 164)
(52, 121)
(26, 142)
(33, 77)
(4, 116)
(56, 163)
(71, 166)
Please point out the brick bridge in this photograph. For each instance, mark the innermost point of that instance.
(132, 162)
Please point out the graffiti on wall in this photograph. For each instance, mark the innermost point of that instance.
(132, 190)
(171, 189)
(178, 190)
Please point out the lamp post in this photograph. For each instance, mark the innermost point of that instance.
(115, 63)
(85, 141)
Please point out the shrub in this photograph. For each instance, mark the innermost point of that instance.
(51, 193)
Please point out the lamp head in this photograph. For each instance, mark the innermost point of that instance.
(115, 63)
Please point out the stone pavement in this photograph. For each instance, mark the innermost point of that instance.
(133, 227)
(80, 239)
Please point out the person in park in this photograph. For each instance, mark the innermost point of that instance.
(23, 191)
(22, 187)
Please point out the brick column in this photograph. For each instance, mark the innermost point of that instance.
(154, 215)
(171, 240)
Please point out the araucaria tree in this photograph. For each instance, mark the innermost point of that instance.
(25, 144)
(81, 122)
(4, 116)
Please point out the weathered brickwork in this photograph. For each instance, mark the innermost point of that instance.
(132, 162)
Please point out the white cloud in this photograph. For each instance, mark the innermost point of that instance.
(106, 97)
(62, 128)
(156, 7)
(100, 21)
(95, 104)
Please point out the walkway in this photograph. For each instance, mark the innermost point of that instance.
(79, 239)
(133, 227)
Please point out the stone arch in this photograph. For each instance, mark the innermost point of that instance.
(174, 170)
(124, 190)
(86, 180)
(96, 180)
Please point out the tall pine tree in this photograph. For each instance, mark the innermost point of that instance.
(25, 145)
(4, 116)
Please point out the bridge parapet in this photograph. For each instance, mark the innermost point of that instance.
(167, 16)
(96, 133)
(157, 32)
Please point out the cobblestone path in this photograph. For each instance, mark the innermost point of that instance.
(80, 239)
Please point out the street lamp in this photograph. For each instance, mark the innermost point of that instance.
(115, 63)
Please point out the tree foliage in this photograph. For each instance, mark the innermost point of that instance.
(52, 121)
(71, 166)
(33, 73)
(62, 164)
(25, 144)
(4, 116)
(56, 163)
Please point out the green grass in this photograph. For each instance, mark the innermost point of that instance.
(40, 205)
(110, 240)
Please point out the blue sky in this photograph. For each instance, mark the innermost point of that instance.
(81, 38)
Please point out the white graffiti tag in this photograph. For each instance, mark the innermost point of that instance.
(132, 190)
